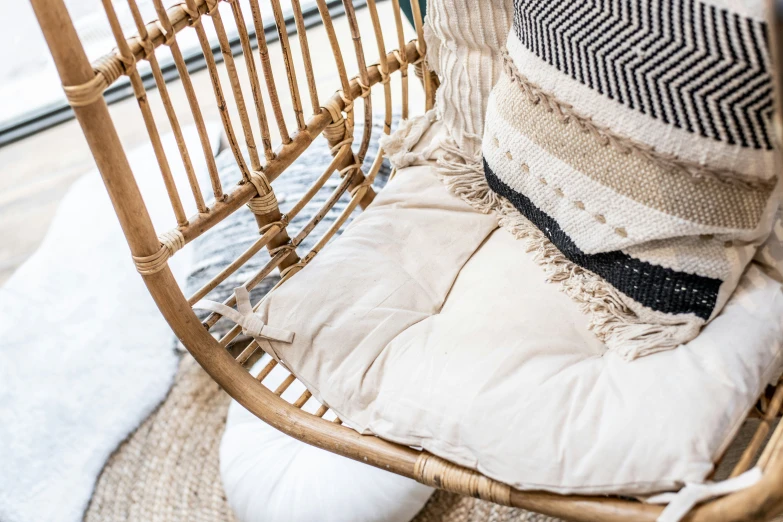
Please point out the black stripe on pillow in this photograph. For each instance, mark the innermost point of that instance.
(656, 287)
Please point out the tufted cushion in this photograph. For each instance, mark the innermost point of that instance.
(427, 325)
(641, 146)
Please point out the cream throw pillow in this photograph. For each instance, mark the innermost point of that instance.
(464, 39)
(636, 136)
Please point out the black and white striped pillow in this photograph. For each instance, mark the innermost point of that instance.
(636, 136)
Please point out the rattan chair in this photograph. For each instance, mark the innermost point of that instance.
(84, 84)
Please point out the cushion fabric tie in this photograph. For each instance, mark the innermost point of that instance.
(683, 501)
(244, 316)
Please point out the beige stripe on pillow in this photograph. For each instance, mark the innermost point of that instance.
(726, 205)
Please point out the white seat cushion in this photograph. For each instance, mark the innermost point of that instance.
(426, 325)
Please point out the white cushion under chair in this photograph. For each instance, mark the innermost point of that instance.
(426, 325)
(269, 476)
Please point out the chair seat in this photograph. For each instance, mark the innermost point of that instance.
(426, 325)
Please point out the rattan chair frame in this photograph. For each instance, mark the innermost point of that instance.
(84, 84)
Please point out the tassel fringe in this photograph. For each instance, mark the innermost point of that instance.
(610, 318)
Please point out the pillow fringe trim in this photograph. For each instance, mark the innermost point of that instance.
(610, 319)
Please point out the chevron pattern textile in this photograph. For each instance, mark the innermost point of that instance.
(636, 136)
(687, 63)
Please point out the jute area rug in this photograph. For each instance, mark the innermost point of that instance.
(168, 470)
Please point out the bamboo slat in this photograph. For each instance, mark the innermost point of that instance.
(756, 442)
(236, 86)
(266, 64)
(301, 32)
(129, 60)
(143, 39)
(220, 99)
(302, 399)
(364, 81)
(284, 385)
(401, 57)
(289, 63)
(190, 93)
(255, 86)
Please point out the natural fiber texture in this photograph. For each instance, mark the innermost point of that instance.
(450, 507)
(240, 130)
(436, 472)
(106, 72)
(605, 136)
(168, 470)
(266, 201)
(170, 243)
(654, 79)
(219, 247)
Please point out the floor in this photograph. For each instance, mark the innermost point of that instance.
(36, 172)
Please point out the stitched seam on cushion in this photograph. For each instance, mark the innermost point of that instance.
(426, 315)
(408, 279)
(422, 442)
(451, 287)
